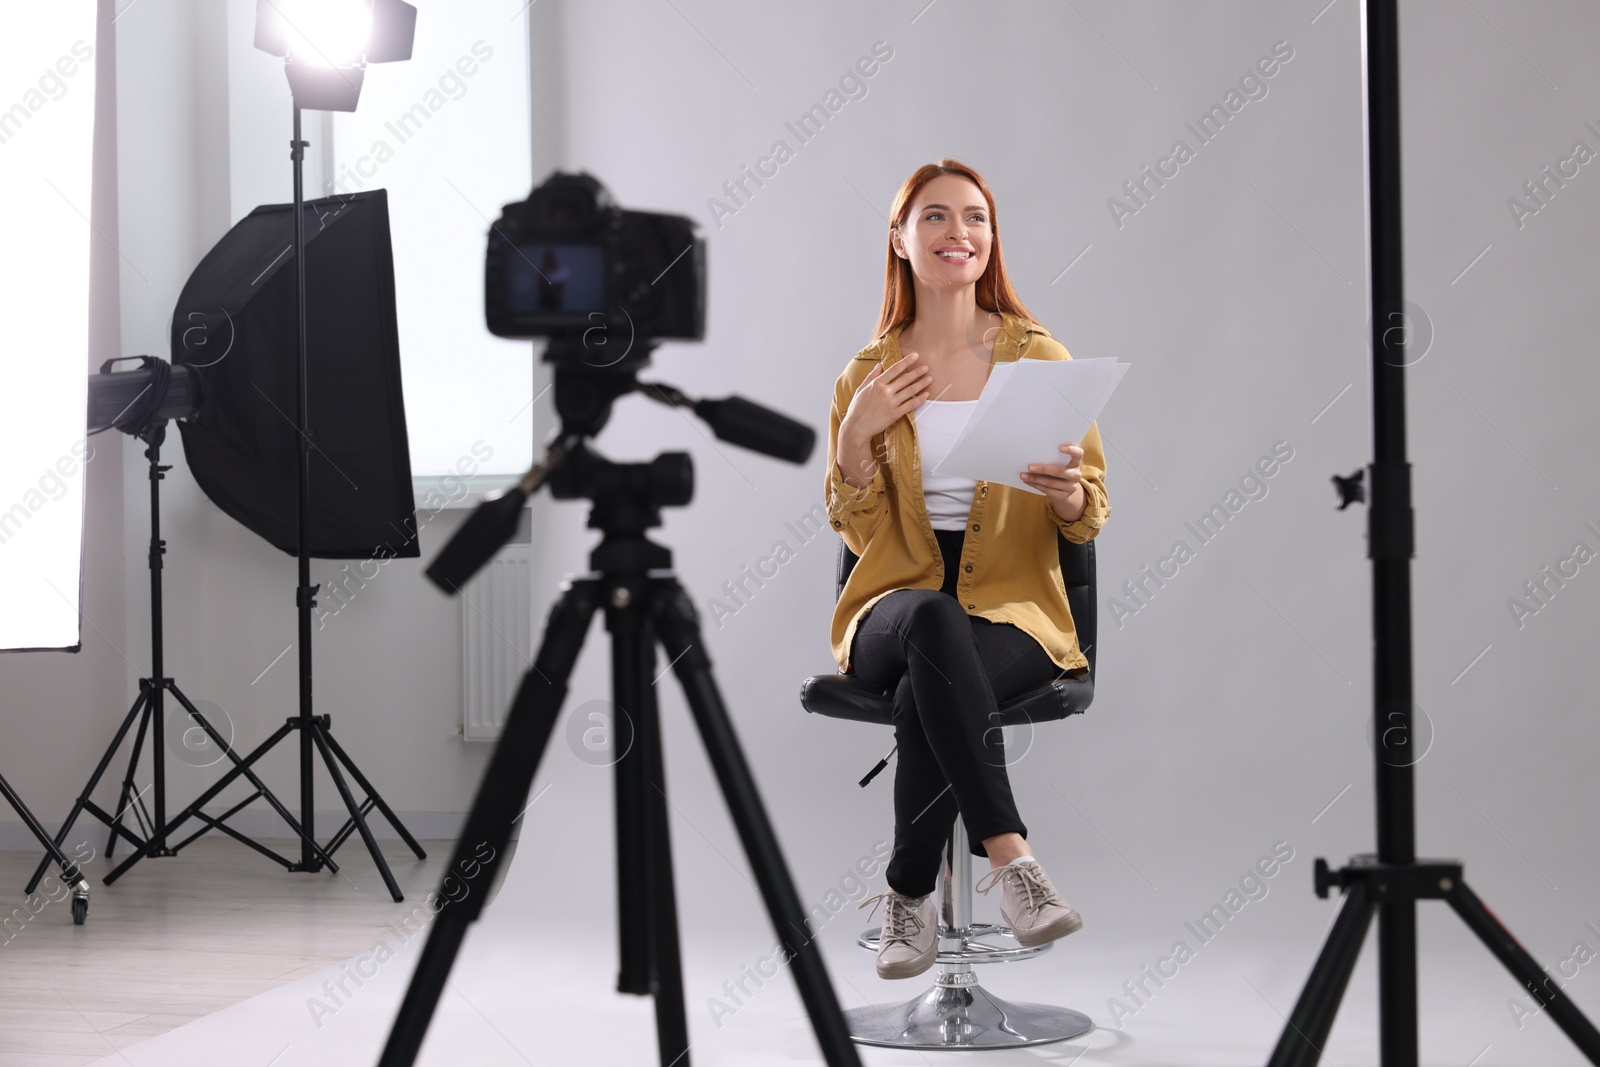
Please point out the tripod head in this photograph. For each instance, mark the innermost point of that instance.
(628, 497)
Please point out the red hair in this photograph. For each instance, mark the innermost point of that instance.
(994, 291)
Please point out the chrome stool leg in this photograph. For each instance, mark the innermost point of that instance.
(958, 1012)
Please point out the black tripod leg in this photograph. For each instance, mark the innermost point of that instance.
(501, 799)
(645, 892)
(69, 870)
(321, 739)
(1312, 1019)
(675, 621)
(242, 767)
(631, 784)
(239, 767)
(1509, 951)
(372, 794)
(88, 790)
(129, 799)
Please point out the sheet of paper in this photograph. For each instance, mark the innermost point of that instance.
(1027, 410)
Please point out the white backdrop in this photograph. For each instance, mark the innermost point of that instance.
(46, 141)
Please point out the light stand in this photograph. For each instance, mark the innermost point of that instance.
(326, 45)
(1390, 882)
(148, 712)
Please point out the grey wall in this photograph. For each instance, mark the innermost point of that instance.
(1232, 706)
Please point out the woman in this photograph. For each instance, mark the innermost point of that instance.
(956, 603)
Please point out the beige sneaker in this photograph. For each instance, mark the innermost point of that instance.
(1030, 904)
(909, 942)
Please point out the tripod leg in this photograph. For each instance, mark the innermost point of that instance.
(372, 794)
(242, 767)
(1312, 1019)
(1509, 951)
(362, 828)
(675, 620)
(88, 790)
(129, 794)
(647, 904)
(500, 801)
(69, 870)
(239, 767)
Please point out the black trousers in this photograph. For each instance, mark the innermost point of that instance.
(949, 672)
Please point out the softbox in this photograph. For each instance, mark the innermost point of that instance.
(235, 326)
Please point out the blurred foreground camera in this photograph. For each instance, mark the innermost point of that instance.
(568, 262)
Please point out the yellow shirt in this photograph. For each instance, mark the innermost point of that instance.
(1010, 566)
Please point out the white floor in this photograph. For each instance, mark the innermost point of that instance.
(532, 987)
(511, 1004)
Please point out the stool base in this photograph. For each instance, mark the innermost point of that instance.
(958, 1013)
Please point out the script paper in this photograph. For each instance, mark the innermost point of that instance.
(1027, 410)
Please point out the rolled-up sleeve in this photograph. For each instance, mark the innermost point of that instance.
(1096, 505)
(854, 511)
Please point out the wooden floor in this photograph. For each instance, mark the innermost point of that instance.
(179, 938)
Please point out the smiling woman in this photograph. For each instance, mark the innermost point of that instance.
(957, 610)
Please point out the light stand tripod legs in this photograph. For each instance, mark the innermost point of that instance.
(1307, 1029)
(69, 870)
(1509, 951)
(240, 767)
(138, 712)
(129, 798)
(1400, 886)
(356, 815)
(374, 800)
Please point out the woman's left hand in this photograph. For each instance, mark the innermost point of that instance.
(1062, 483)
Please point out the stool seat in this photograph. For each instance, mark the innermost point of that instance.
(844, 696)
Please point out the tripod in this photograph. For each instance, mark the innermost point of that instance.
(316, 731)
(1392, 880)
(147, 711)
(641, 606)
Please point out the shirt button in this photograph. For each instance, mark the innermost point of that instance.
(969, 568)
(838, 525)
(975, 527)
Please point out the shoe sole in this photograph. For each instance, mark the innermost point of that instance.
(909, 968)
(1070, 923)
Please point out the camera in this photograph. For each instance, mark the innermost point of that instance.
(568, 262)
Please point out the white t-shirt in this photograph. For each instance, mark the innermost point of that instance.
(949, 499)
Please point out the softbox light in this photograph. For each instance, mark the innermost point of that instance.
(235, 327)
(47, 125)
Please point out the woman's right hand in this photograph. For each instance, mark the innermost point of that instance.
(885, 395)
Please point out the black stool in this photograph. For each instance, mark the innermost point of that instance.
(958, 1012)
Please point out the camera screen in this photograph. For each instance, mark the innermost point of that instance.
(555, 279)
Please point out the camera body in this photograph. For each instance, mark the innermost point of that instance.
(569, 263)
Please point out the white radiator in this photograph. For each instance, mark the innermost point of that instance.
(496, 640)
